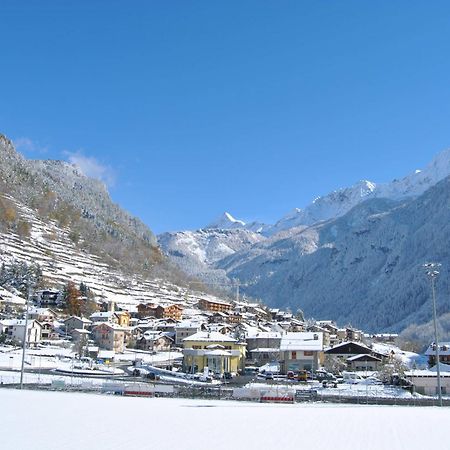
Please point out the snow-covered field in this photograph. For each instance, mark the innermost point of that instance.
(50, 420)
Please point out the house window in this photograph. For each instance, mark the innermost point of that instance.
(308, 353)
(293, 355)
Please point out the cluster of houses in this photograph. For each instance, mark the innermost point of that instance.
(224, 337)
(220, 336)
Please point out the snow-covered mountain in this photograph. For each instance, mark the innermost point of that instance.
(59, 191)
(339, 202)
(226, 222)
(352, 255)
(55, 218)
(364, 267)
(197, 252)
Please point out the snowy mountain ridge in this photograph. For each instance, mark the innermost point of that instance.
(354, 255)
(339, 202)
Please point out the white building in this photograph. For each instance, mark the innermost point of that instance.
(301, 351)
(425, 381)
(15, 329)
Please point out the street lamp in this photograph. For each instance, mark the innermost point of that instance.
(431, 269)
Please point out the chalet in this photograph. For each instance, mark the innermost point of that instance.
(47, 297)
(363, 362)
(214, 305)
(347, 349)
(444, 353)
(218, 317)
(389, 338)
(48, 331)
(170, 311)
(279, 315)
(235, 318)
(296, 325)
(329, 325)
(155, 341)
(349, 334)
(357, 356)
(301, 351)
(146, 310)
(222, 328)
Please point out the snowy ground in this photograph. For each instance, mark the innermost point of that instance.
(87, 421)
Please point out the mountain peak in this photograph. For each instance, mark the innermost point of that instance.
(226, 221)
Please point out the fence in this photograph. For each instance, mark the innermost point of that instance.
(128, 386)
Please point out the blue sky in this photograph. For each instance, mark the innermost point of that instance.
(190, 108)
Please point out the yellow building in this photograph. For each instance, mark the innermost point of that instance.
(217, 351)
(123, 318)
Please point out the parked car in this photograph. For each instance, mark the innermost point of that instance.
(302, 375)
(323, 375)
(329, 383)
(291, 375)
(371, 381)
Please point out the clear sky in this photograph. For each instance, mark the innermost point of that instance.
(190, 108)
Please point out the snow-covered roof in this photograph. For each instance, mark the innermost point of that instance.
(363, 356)
(82, 319)
(81, 331)
(216, 300)
(264, 350)
(302, 341)
(8, 322)
(347, 343)
(106, 354)
(188, 324)
(444, 371)
(114, 326)
(212, 336)
(444, 349)
(101, 315)
(256, 334)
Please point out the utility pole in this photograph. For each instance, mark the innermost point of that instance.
(25, 335)
(432, 273)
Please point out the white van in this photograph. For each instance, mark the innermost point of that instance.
(352, 377)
